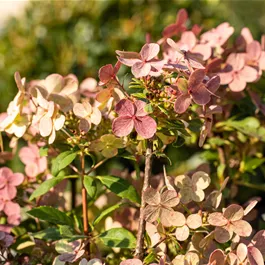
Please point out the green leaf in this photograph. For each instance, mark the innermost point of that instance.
(48, 234)
(51, 215)
(44, 151)
(66, 231)
(62, 160)
(48, 184)
(126, 155)
(148, 108)
(250, 164)
(106, 212)
(118, 237)
(121, 187)
(138, 95)
(90, 185)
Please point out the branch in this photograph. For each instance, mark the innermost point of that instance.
(139, 250)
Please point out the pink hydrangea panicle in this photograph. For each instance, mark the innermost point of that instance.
(143, 63)
(133, 115)
(8, 183)
(35, 164)
(236, 74)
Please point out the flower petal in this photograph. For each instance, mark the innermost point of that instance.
(182, 233)
(182, 103)
(145, 126)
(45, 126)
(140, 69)
(122, 126)
(125, 108)
(149, 51)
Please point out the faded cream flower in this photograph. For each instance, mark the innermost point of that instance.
(48, 118)
(88, 115)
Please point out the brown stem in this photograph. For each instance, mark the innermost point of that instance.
(139, 250)
(84, 204)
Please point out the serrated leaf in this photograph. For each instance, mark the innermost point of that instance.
(120, 187)
(90, 186)
(118, 237)
(48, 184)
(51, 215)
(48, 234)
(106, 212)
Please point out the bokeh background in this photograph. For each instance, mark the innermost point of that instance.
(42, 37)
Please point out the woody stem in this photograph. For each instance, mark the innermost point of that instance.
(84, 203)
(139, 250)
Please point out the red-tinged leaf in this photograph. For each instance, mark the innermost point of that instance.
(106, 73)
(242, 228)
(217, 219)
(234, 212)
(170, 198)
(151, 196)
(255, 256)
(182, 16)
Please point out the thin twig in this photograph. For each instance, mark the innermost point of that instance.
(139, 250)
(96, 166)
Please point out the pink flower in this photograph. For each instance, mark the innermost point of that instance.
(8, 183)
(35, 164)
(195, 90)
(142, 63)
(237, 74)
(12, 211)
(217, 36)
(132, 115)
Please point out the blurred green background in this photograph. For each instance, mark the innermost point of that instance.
(80, 36)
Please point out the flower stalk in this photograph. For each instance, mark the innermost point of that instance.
(139, 250)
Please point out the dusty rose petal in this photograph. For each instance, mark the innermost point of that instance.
(149, 51)
(245, 32)
(151, 196)
(125, 107)
(145, 126)
(12, 208)
(182, 103)
(84, 125)
(242, 228)
(262, 60)
(249, 74)
(236, 60)
(140, 105)
(59, 122)
(27, 155)
(259, 241)
(204, 50)
(96, 116)
(253, 50)
(254, 256)
(250, 207)
(104, 95)
(141, 69)
(217, 257)
(45, 126)
(82, 110)
(105, 73)
(151, 213)
(167, 216)
(222, 235)
(200, 95)
(170, 198)
(238, 84)
(196, 78)
(242, 252)
(226, 77)
(16, 179)
(177, 219)
(31, 170)
(194, 221)
(122, 126)
(217, 219)
(234, 212)
(182, 233)
(189, 38)
(131, 262)
(54, 83)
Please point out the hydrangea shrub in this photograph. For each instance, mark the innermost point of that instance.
(183, 87)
